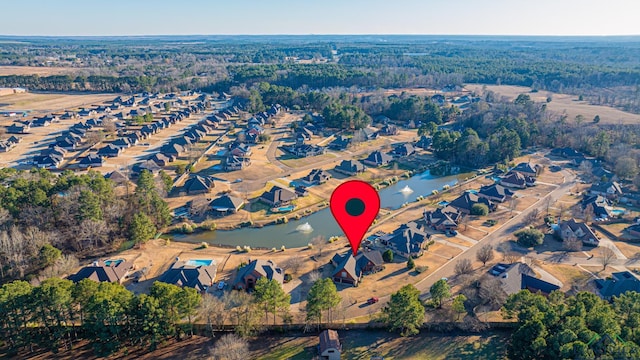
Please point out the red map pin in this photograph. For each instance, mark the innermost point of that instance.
(354, 205)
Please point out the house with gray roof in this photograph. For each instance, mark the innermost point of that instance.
(496, 192)
(378, 158)
(620, 283)
(316, 177)
(519, 276)
(527, 169)
(611, 190)
(249, 274)
(571, 229)
(198, 185)
(113, 270)
(350, 167)
(464, 203)
(197, 274)
(277, 196)
(402, 150)
(226, 204)
(407, 240)
(341, 142)
(329, 347)
(599, 205)
(443, 219)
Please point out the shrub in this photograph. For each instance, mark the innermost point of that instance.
(421, 269)
(529, 237)
(207, 226)
(287, 278)
(204, 245)
(309, 246)
(479, 209)
(283, 248)
(387, 256)
(410, 263)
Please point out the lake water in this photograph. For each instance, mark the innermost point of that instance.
(322, 221)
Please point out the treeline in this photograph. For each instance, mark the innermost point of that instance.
(92, 83)
(78, 214)
(55, 314)
(576, 327)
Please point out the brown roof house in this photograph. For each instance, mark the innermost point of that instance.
(112, 270)
(515, 179)
(198, 274)
(573, 229)
(350, 167)
(465, 202)
(329, 347)
(349, 269)
(278, 196)
(250, 273)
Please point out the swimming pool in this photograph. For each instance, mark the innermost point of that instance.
(199, 262)
(282, 209)
(617, 212)
(472, 191)
(443, 203)
(113, 262)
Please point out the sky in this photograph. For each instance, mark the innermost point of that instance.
(260, 17)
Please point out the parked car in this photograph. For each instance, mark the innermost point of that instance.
(221, 285)
(373, 300)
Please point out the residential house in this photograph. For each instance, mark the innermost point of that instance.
(18, 128)
(249, 274)
(316, 177)
(147, 165)
(603, 174)
(278, 196)
(197, 274)
(518, 276)
(610, 190)
(633, 232)
(620, 283)
(389, 130)
(515, 179)
(110, 151)
(350, 167)
(599, 205)
(464, 203)
(113, 270)
(443, 219)
(403, 150)
(329, 346)
(527, 169)
(226, 204)
(90, 161)
(572, 229)
(424, 142)
(87, 112)
(378, 158)
(171, 150)
(407, 240)
(239, 149)
(48, 161)
(567, 153)
(232, 163)
(350, 269)
(117, 177)
(305, 150)
(42, 122)
(496, 192)
(341, 142)
(369, 133)
(198, 185)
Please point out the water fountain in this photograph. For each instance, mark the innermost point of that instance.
(406, 190)
(304, 228)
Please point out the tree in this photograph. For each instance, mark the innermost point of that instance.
(427, 128)
(269, 295)
(141, 228)
(572, 243)
(387, 256)
(479, 209)
(49, 254)
(404, 312)
(607, 256)
(231, 347)
(440, 291)
(529, 237)
(323, 296)
(293, 264)
(212, 308)
(410, 263)
(596, 119)
(458, 305)
(485, 254)
(626, 167)
(167, 181)
(319, 242)
(463, 267)
(531, 217)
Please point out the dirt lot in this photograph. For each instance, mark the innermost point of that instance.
(564, 103)
(43, 103)
(36, 70)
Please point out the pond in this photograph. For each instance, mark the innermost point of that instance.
(321, 222)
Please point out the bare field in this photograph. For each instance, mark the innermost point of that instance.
(562, 103)
(37, 70)
(47, 103)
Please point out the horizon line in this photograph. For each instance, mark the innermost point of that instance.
(328, 34)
